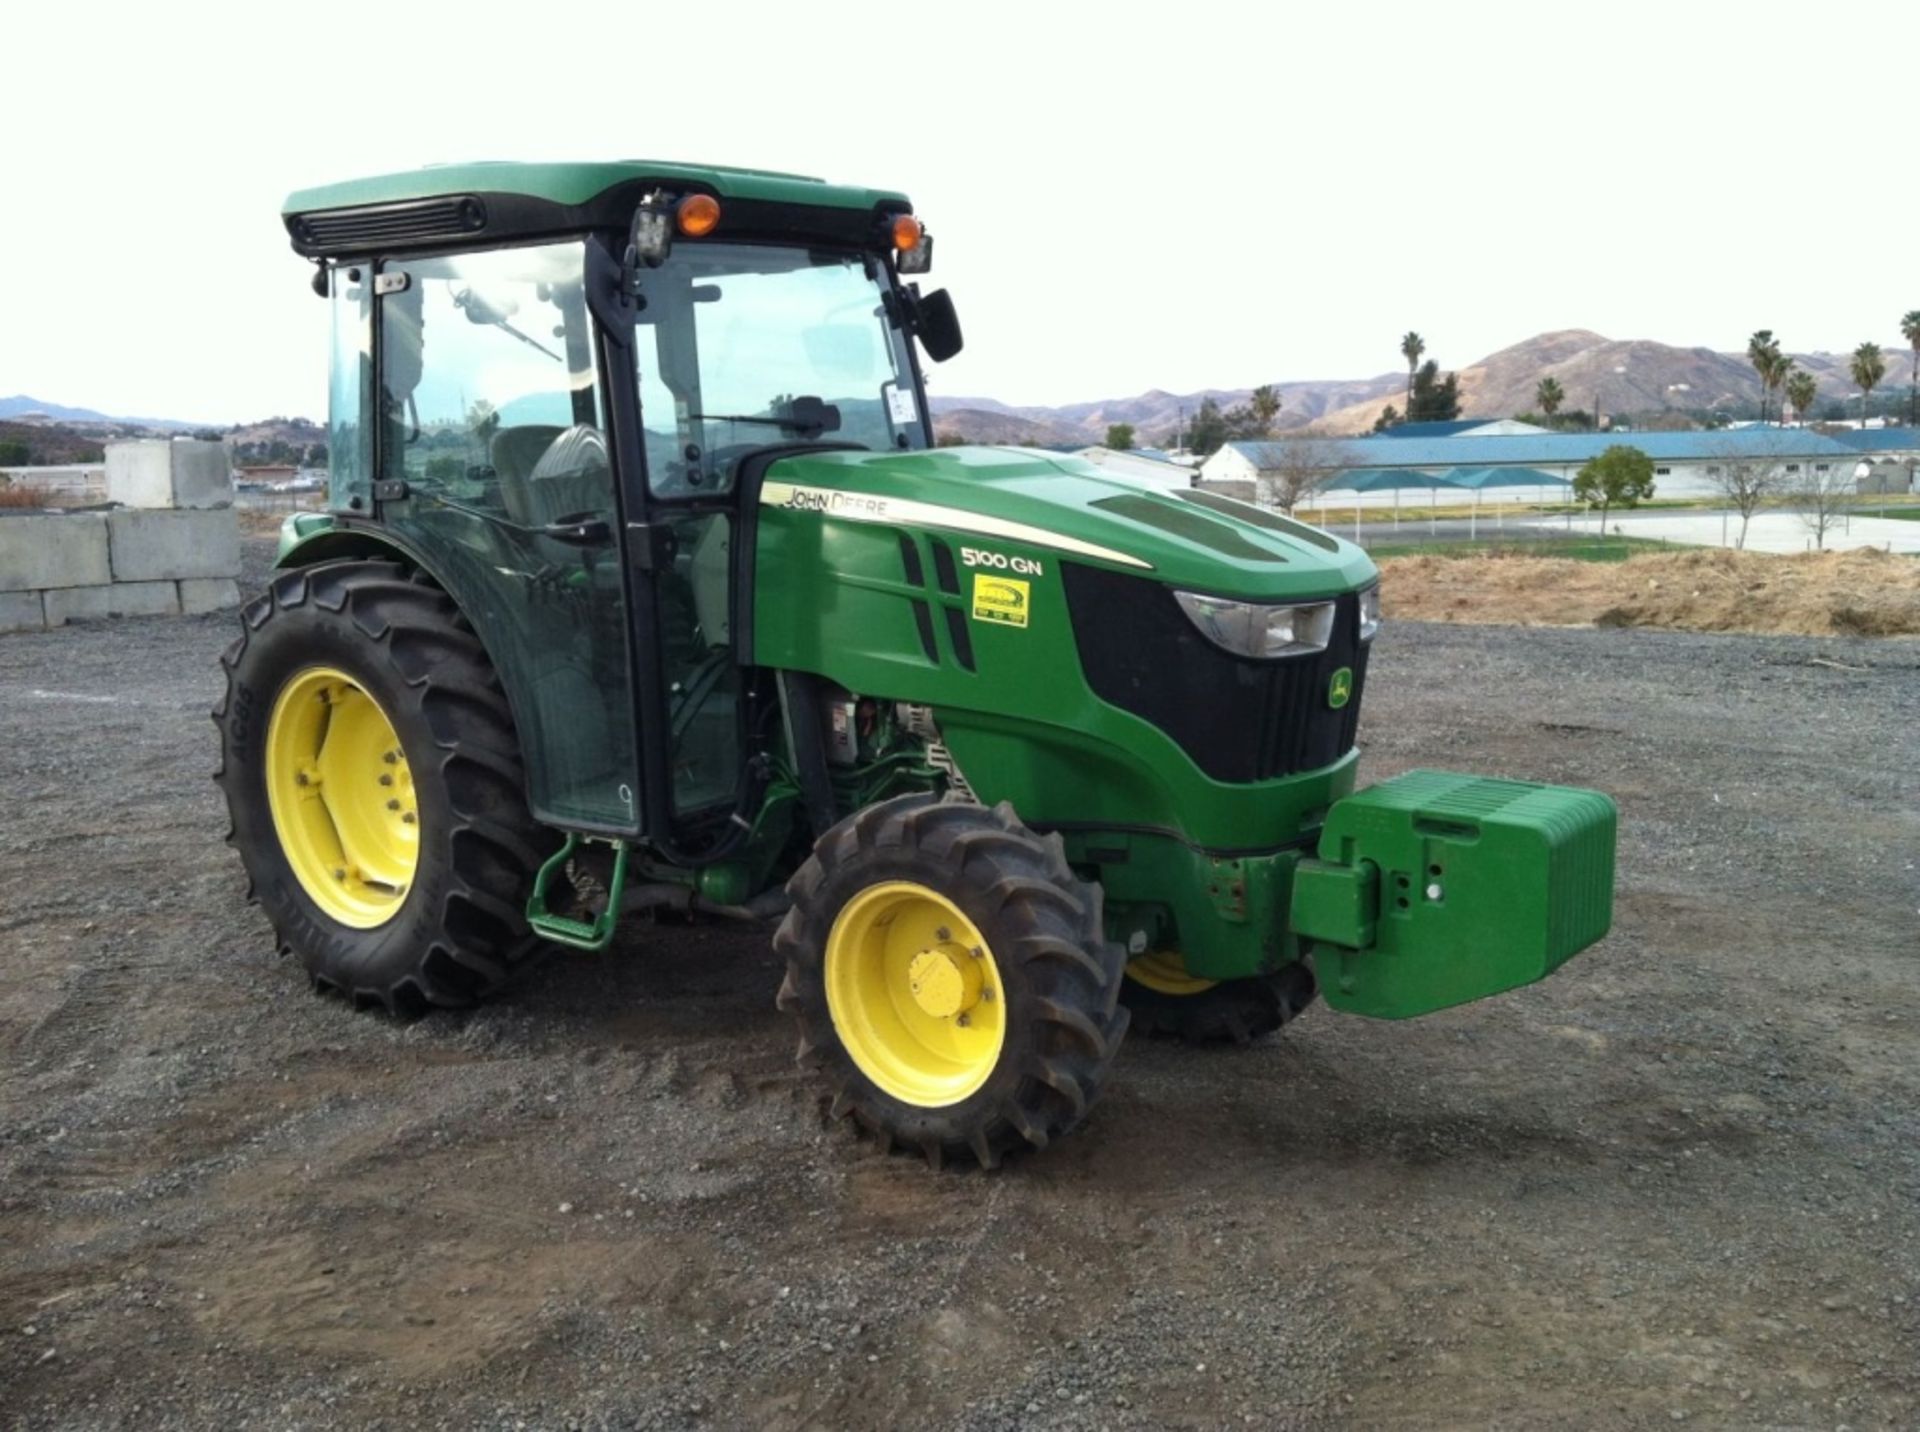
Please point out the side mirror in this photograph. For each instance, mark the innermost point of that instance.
(810, 415)
(937, 325)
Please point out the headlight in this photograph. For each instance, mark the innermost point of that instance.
(1370, 612)
(1249, 629)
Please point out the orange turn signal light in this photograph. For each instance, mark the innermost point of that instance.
(907, 232)
(698, 215)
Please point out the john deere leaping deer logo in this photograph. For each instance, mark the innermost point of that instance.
(1000, 599)
(1340, 689)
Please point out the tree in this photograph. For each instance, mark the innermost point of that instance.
(1549, 395)
(1779, 369)
(1432, 400)
(1868, 367)
(1265, 407)
(1120, 436)
(1621, 476)
(1910, 330)
(483, 419)
(1389, 418)
(15, 454)
(1746, 486)
(1762, 349)
(1820, 491)
(1297, 465)
(1208, 431)
(1802, 388)
(1411, 347)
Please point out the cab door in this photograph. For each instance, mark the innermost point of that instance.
(494, 466)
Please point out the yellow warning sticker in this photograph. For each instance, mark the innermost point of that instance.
(1000, 599)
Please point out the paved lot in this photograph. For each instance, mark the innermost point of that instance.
(1677, 1181)
(1770, 531)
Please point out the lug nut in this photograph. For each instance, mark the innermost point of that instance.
(977, 953)
(408, 817)
(393, 805)
(386, 780)
(943, 934)
(962, 1020)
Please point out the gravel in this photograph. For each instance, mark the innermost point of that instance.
(1676, 1182)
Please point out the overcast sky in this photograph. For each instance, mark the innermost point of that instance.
(1125, 197)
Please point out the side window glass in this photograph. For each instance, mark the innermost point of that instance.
(490, 414)
(349, 390)
(489, 397)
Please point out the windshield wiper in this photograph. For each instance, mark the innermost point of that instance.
(739, 418)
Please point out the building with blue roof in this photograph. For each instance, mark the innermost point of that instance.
(1686, 464)
(1462, 427)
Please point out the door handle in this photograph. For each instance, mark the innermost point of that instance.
(580, 530)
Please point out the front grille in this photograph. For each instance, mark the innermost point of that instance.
(1239, 720)
(384, 226)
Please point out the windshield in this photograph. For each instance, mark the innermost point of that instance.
(745, 345)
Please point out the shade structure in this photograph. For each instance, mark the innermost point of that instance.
(1388, 479)
(1478, 479)
(1381, 479)
(1484, 477)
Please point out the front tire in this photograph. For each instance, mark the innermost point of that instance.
(374, 783)
(952, 978)
(1166, 1000)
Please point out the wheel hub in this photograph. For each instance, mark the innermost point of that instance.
(944, 982)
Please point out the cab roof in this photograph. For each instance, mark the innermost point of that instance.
(503, 201)
(577, 183)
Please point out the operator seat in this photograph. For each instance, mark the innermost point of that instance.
(572, 477)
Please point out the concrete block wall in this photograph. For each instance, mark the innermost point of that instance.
(169, 472)
(174, 550)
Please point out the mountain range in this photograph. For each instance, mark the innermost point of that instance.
(1632, 376)
(20, 407)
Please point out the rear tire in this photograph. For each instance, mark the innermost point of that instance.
(371, 631)
(1227, 1012)
(940, 892)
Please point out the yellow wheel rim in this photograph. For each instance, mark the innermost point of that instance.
(342, 797)
(1165, 971)
(914, 994)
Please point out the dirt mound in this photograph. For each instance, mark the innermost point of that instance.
(1816, 594)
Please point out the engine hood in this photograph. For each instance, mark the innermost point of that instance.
(1039, 503)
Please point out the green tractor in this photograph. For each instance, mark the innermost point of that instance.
(642, 583)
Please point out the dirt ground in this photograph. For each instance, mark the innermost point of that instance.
(1676, 1182)
(1864, 593)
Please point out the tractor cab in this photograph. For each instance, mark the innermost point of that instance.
(555, 409)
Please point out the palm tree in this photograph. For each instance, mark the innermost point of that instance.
(1910, 330)
(1780, 372)
(1869, 366)
(1802, 389)
(1411, 347)
(1762, 350)
(1549, 395)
